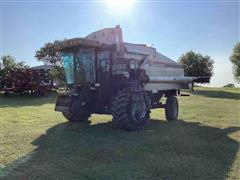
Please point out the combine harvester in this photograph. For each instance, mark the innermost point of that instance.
(106, 75)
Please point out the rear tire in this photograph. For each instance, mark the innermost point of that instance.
(171, 108)
(130, 110)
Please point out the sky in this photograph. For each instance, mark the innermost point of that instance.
(172, 27)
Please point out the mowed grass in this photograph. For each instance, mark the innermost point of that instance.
(38, 143)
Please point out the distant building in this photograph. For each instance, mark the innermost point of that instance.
(48, 68)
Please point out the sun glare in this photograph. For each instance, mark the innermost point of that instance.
(120, 6)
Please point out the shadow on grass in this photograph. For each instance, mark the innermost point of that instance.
(218, 94)
(174, 150)
(20, 101)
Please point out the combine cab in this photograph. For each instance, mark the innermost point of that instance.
(108, 76)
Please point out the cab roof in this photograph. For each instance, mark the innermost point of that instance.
(79, 42)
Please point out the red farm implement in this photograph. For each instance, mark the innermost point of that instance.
(28, 82)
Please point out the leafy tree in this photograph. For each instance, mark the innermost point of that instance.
(58, 73)
(235, 59)
(196, 65)
(9, 62)
(229, 85)
(49, 55)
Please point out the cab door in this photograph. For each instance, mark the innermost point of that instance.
(104, 67)
(104, 75)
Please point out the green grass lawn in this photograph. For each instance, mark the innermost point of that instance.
(38, 143)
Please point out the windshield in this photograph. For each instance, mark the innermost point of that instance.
(79, 66)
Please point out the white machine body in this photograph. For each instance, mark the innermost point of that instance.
(164, 73)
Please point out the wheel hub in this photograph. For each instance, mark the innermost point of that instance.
(138, 111)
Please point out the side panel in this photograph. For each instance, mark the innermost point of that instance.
(157, 65)
(166, 86)
(163, 70)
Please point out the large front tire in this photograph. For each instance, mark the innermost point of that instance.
(73, 117)
(130, 110)
(171, 108)
(77, 113)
